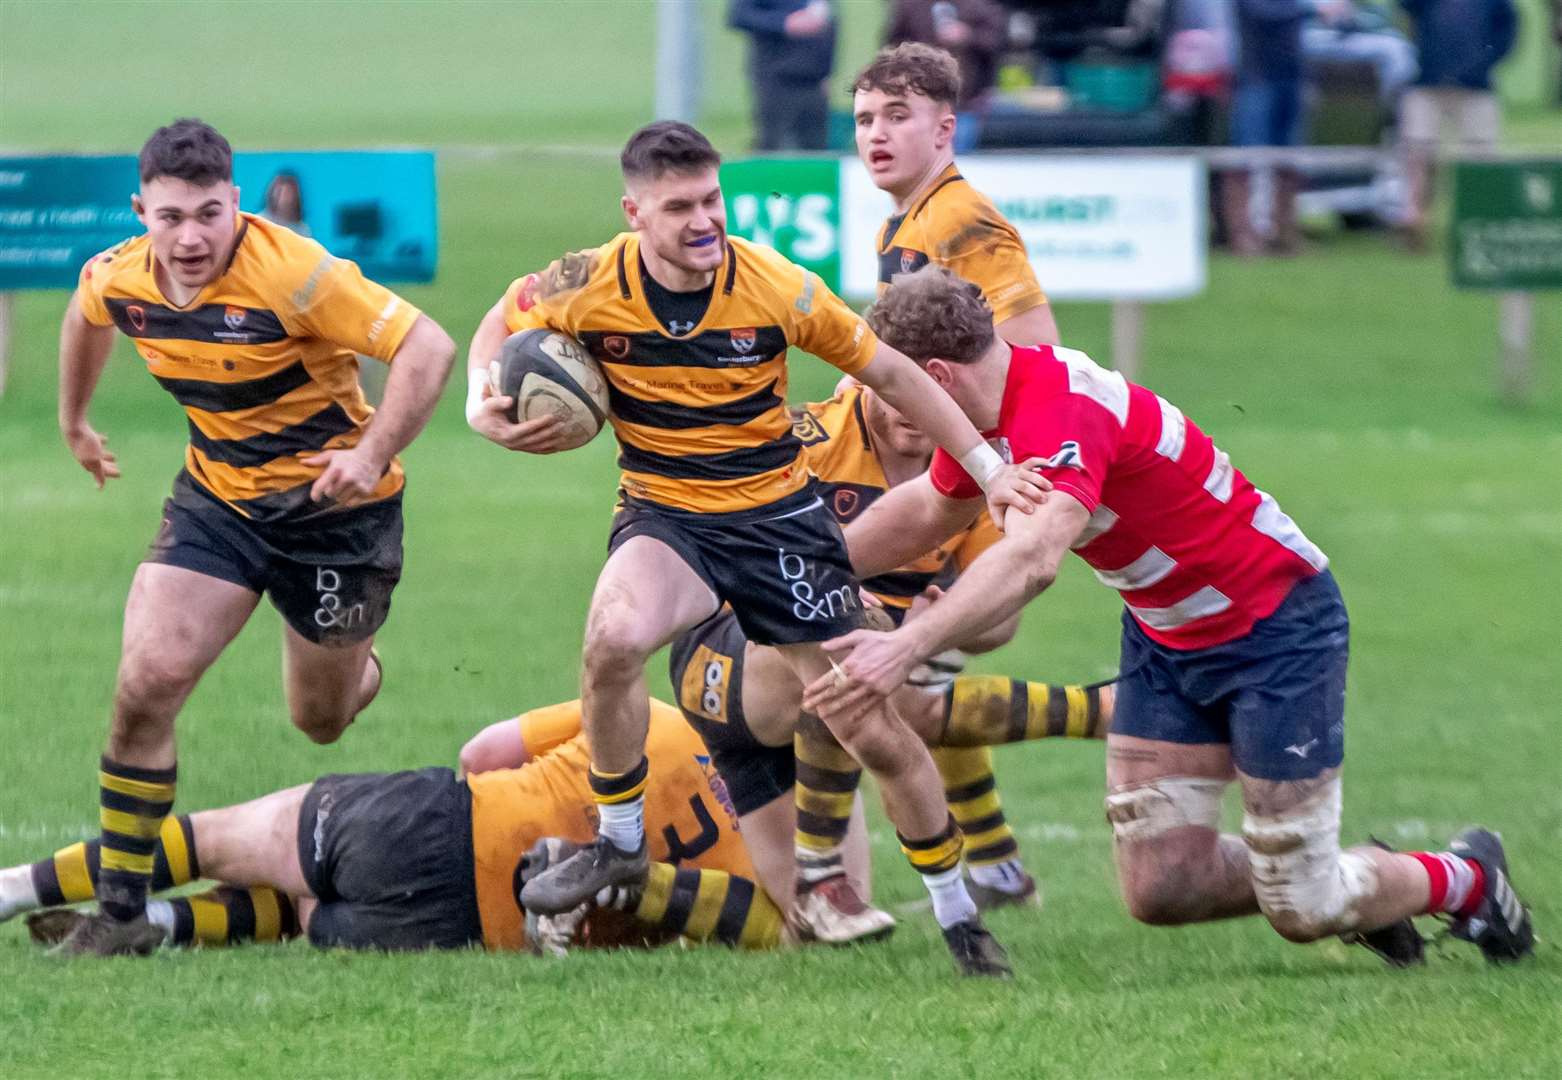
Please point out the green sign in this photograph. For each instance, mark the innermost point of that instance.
(1507, 225)
(793, 205)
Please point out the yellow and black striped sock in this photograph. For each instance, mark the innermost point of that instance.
(825, 790)
(709, 905)
(228, 915)
(936, 854)
(71, 875)
(988, 710)
(620, 801)
(972, 792)
(132, 803)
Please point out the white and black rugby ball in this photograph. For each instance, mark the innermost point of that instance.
(549, 374)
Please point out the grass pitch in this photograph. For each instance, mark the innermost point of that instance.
(1351, 383)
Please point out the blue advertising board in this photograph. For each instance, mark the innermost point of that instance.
(376, 207)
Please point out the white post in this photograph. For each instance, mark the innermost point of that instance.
(1516, 331)
(7, 312)
(678, 60)
(1127, 335)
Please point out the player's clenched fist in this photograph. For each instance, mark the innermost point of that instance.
(91, 450)
(349, 475)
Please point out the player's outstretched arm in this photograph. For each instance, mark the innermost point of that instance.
(418, 373)
(998, 584)
(905, 522)
(84, 350)
(919, 399)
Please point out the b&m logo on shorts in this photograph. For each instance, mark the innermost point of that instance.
(811, 603)
(332, 614)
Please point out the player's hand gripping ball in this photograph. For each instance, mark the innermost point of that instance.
(549, 374)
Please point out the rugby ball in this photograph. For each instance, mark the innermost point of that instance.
(550, 374)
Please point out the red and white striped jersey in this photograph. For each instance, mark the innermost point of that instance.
(1197, 552)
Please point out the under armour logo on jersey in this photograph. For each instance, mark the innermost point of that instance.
(1067, 457)
(678, 327)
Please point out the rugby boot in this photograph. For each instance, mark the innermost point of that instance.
(990, 898)
(829, 910)
(52, 925)
(578, 877)
(975, 951)
(103, 935)
(1399, 944)
(1500, 926)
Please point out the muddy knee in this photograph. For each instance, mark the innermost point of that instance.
(1150, 828)
(1306, 886)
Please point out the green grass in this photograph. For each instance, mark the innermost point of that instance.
(1352, 383)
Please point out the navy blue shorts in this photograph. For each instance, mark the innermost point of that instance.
(1275, 696)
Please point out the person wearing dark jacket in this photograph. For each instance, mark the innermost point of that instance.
(974, 32)
(1267, 111)
(791, 55)
(1460, 42)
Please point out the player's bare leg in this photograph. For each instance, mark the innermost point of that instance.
(177, 622)
(914, 801)
(646, 595)
(327, 685)
(769, 833)
(1173, 864)
(252, 848)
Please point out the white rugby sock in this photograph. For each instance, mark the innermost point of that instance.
(160, 913)
(1007, 876)
(951, 902)
(17, 893)
(623, 823)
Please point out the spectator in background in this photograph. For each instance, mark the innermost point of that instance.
(284, 202)
(974, 33)
(791, 55)
(1459, 41)
(1267, 111)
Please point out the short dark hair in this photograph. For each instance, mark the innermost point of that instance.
(933, 312)
(666, 146)
(190, 150)
(912, 68)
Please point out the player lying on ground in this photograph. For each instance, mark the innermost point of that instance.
(745, 702)
(427, 859)
(291, 486)
(692, 329)
(1234, 643)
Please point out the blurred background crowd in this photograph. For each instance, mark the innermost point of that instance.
(1390, 86)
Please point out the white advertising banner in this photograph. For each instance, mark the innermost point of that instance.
(1096, 227)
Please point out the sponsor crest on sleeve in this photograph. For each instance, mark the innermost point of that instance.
(1067, 457)
(137, 316)
(616, 346)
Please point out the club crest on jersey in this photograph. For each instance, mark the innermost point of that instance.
(807, 428)
(233, 317)
(908, 260)
(1067, 457)
(845, 503)
(616, 346)
(137, 316)
(743, 338)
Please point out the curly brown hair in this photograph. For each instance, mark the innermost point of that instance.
(933, 313)
(912, 68)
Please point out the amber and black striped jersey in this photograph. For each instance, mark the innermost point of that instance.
(262, 359)
(689, 817)
(838, 447)
(955, 225)
(701, 417)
